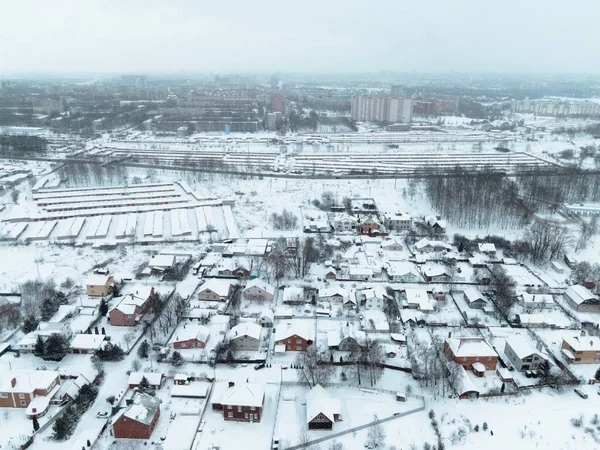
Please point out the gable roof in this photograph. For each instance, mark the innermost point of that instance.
(333, 290)
(143, 409)
(583, 343)
(579, 294)
(470, 346)
(154, 378)
(419, 297)
(319, 401)
(87, 341)
(244, 329)
(522, 348)
(263, 285)
(190, 331)
(299, 328)
(473, 294)
(218, 286)
(97, 280)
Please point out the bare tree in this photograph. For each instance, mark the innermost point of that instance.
(312, 369)
(376, 435)
(128, 338)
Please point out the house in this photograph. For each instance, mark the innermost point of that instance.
(360, 273)
(35, 388)
(436, 224)
(322, 410)
(215, 290)
(333, 294)
(392, 244)
(402, 272)
(436, 274)
(397, 221)
(467, 351)
(155, 379)
(160, 263)
(363, 206)
(581, 299)
(132, 307)
(537, 301)
(438, 293)
(242, 403)
(344, 223)
(425, 245)
(138, 420)
(266, 318)
(581, 349)
(190, 335)
(347, 338)
(295, 336)
(293, 295)
(370, 224)
(233, 268)
(350, 301)
(417, 299)
(45, 329)
(487, 248)
(87, 343)
(99, 285)
(522, 355)
(257, 289)
(474, 298)
(331, 274)
(373, 298)
(245, 336)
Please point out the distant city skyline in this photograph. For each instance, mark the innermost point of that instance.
(185, 36)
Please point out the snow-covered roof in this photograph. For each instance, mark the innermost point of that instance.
(331, 291)
(154, 378)
(435, 271)
(188, 331)
(470, 347)
(473, 294)
(522, 348)
(197, 390)
(486, 247)
(333, 338)
(301, 328)
(291, 294)
(126, 308)
(400, 268)
(319, 401)
(360, 271)
(398, 215)
(479, 367)
(537, 299)
(244, 329)
(419, 297)
(143, 409)
(583, 343)
(97, 280)
(244, 395)
(579, 294)
(218, 286)
(87, 341)
(263, 285)
(139, 291)
(378, 292)
(267, 314)
(27, 382)
(162, 261)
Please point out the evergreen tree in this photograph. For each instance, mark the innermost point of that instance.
(63, 427)
(103, 308)
(176, 359)
(143, 349)
(597, 374)
(56, 347)
(30, 324)
(145, 388)
(40, 347)
(110, 352)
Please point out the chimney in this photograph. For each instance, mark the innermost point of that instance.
(449, 334)
(583, 332)
(33, 410)
(231, 383)
(591, 343)
(13, 382)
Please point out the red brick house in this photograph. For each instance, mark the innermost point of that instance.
(296, 337)
(21, 391)
(467, 351)
(243, 403)
(190, 335)
(138, 420)
(132, 307)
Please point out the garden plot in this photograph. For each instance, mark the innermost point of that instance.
(473, 315)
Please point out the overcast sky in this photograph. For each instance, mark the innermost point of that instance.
(116, 36)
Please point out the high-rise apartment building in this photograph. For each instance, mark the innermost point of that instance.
(384, 109)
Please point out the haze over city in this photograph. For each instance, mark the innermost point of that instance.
(134, 36)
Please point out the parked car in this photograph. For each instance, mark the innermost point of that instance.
(102, 415)
(259, 366)
(581, 393)
(101, 271)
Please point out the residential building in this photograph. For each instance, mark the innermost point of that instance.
(373, 298)
(293, 295)
(537, 301)
(245, 336)
(392, 244)
(99, 285)
(581, 349)
(35, 388)
(215, 290)
(295, 336)
(241, 403)
(322, 410)
(190, 335)
(522, 355)
(474, 298)
(360, 273)
(87, 343)
(138, 420)
(397, 221)
(266, 318)
(581, 299)
(344, 223)
(370, 224)
(417, 299)
(333, 294)
(132, 307)
(403, 272)
(384, 109)
(258, 289)
(487, 248)
(467, 351)
(436, 274)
